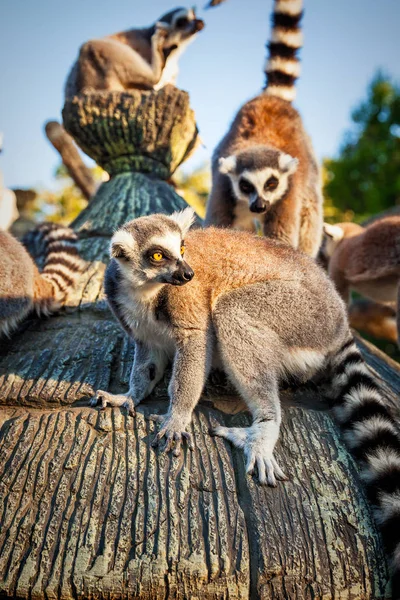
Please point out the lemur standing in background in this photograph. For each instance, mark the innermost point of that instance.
(144, 58)
(23, 288)
(264, 170)
(267, 313)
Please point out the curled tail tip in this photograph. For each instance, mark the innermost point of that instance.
(282, 68)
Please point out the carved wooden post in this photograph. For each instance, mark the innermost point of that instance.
(87, 508)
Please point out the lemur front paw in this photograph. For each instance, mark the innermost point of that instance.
(105, 399)
(173, 430)
(258, 450)
(160, 34)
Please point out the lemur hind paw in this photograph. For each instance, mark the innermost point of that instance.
(258, 451)
(173, 431)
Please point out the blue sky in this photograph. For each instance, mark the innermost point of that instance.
(346, 41)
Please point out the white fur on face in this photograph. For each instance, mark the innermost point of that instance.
(125, 240)
(258, 179)
(182, 14)
(171, 241)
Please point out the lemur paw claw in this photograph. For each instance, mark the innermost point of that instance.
(173, 437)
(268, 469)
(257, 449)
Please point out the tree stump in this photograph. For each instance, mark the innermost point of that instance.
(87, 508)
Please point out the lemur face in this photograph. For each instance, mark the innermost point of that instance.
(182, 26)
(259, 176)
(151, 250)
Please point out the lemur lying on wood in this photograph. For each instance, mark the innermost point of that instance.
(144, 58)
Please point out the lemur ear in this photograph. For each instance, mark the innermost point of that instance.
(227, 165)
(122, 245)
(287, 163)
(185, 219)
(335, 232)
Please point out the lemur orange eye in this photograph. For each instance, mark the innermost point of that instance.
(182, 250)
(157, 256)
(271, 183)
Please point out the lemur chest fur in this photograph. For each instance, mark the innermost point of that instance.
(140, 313)
(245, 220)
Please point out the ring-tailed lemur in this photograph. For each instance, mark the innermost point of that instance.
(365, 259)
(138, 58)
(267, 312)
(23, 288)
(264, 172)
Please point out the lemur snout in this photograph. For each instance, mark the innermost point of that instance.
(198, 25)
(183, 274)
(259, 205)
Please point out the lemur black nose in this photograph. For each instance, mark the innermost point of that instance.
(259, 206)
(188, 274)
(198, 25)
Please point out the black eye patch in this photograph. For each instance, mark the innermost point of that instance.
(181, 22)
(271, 183)
(155, 250)
(246, 187)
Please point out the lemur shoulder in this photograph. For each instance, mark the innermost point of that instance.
(264, 171)
(265, 312)
(145, 58)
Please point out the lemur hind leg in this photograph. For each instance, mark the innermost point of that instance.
(147, 370)
(249, 353)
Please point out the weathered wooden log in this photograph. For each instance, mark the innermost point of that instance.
(88, 509)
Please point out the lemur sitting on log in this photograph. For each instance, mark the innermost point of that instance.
(144, 58)
(264, 171)
(266, 312)
(366, 260)
(23, 288)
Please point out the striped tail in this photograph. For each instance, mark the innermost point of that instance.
(62, 264)
(283, 67)
(372, 435)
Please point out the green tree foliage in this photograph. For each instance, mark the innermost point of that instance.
(194, 187)
(365, 178)
(61, 204)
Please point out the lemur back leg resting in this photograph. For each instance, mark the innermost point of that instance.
(248, 353)
(191, 367)
(147, 370)
(110, 64)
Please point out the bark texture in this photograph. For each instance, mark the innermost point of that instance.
(88, 509)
